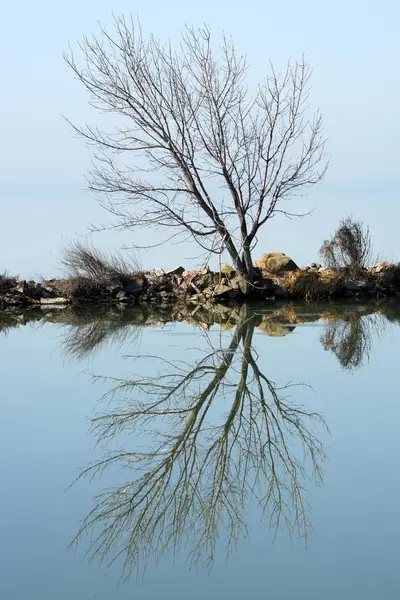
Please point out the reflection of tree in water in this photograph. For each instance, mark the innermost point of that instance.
(192, 479)
(350, 337)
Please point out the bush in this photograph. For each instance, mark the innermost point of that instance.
(350, 247)
(7, 282)
(87, 263)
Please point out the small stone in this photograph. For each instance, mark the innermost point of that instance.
(221, 290)
(54, 301)
(228, 270)
(11, 302)
(122, 297)
(351, 285)
(157, 272)
(380, 267)
(134, 287)
(176, 271)
(205, 271)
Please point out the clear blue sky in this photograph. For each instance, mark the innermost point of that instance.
(353, 45)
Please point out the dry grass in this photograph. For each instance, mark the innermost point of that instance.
(80, 287)
(313, 285)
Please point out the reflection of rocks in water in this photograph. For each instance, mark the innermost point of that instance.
(349, 333)
(222, 435)
(273, 327)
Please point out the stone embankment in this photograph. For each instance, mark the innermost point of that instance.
(277, 277)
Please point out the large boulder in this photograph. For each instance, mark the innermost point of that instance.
(275, 262)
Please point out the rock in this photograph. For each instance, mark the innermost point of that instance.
(133, 287)
(122, 296)
(281, 293)
(157, 272)
(204, 281)
(20, 288)
(351, 285)
(228, 270)
(276, 262)
(221, 290)
(113, 290)
(48, 301)
(176, 271)
(380, 267)
(266, 285)
(205, 271)
(11, 302)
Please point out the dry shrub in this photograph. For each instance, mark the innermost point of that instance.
(92, 274)
(6, 282)
(86, 262)
(313, 285)
(350, 247)
(82, 287)
(390, 277)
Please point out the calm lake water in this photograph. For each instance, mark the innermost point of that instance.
(247, 453)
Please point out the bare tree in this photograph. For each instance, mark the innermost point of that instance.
(216, 161)
(203, 465)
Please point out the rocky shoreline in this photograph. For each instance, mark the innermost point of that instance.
(277, 278)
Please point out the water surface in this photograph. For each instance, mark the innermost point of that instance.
(243, 453)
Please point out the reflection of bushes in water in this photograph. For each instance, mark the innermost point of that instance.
(392, 312)
(7, 322)
(350, 338)
(193, 480)
(90, 329)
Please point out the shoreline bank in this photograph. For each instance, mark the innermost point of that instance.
(203, 287)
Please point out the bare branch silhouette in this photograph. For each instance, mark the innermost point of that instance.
(213, 163)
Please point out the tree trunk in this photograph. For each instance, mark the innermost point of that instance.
(244, 267)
